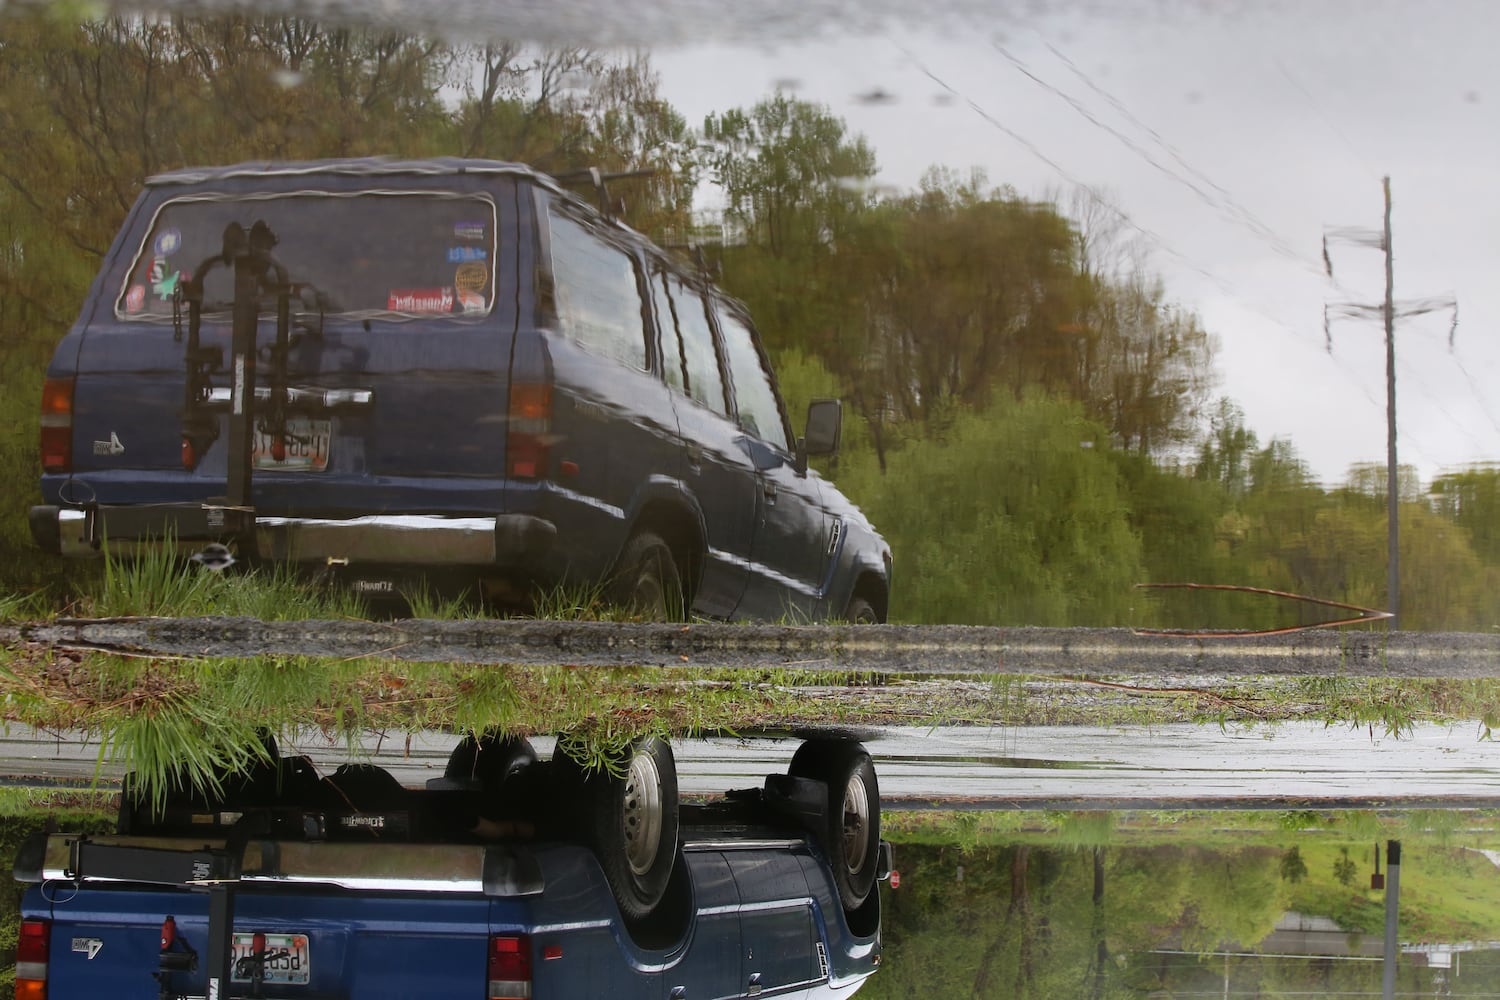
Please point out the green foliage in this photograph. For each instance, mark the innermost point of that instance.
(1006, 517)
(1344, 868)
(1299, 819)
(1292, 868)
(1245, 903)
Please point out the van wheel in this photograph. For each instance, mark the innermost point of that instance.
(851, 834)
(647, 582)
(635, 827)
(487, 762)
(860, 612)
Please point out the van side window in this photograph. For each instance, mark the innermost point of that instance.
(673, 367)
(598, 301)
(700, 359)
(760, 409)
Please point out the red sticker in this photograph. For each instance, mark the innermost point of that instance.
(420, 300)
(135, 299)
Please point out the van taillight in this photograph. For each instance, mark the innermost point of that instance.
(57, 425)
(510, 967)
(529, 430)
(31, 960)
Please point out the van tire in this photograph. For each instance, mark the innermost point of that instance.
(850, 835)
(647, 581)
(489, 761)
(635, 826)
(860, 612)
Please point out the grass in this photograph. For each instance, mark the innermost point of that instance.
(161, 583)
(187, 721)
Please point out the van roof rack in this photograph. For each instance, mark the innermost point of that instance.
(599, 181)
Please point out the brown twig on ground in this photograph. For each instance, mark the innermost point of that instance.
(1365, 614)
(1219, 699)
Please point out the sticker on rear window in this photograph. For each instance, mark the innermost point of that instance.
(135, 299)
(469, 230)
(168, 242)
(471, 277)
(163, 284)
(460, 255)
(420, 300)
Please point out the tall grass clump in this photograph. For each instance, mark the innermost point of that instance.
(185, 744)
(425, 601)
(159, 582)
(14, 607)
(576, 602)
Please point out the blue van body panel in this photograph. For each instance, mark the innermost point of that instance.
(762, 917)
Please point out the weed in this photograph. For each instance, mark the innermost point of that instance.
(19, 607)
(1439, 825)
(158, 581)
(1084, 829)
(185, 744)
(575, 603)
(427, 602)
(27, 802)
(1300, 819)
(1360, 825)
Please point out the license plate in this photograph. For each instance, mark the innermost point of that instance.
(288, 959)
(307, 443)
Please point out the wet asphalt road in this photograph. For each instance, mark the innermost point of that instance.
(1289, 765)
(931, 650)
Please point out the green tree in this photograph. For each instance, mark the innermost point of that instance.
(789, 171)
(1344, 868)
(1005, 517)
(1470, 499)
(1292, 868)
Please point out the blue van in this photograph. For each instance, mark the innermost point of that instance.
(452, 368)
(508, 878)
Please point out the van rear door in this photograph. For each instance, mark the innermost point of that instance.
(389, 392)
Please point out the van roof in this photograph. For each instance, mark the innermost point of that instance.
(373, 166)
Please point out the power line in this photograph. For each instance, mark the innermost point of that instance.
(1223, 201)
(1229, 207)
(1331, 125)
(1151, 236)
(1156, 239)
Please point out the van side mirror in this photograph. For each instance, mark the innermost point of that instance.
(825, 427)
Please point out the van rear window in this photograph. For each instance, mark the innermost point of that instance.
(386, 253)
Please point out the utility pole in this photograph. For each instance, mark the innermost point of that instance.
(1392, 949)
(1381, 239)
(1392, 491)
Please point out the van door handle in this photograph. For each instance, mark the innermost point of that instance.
(695, 457)
(769, 488)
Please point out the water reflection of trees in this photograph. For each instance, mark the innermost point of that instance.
(1107, 922)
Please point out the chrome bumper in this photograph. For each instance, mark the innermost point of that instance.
(499, 870)
(421, 540)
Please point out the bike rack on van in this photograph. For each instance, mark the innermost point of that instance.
(249, 252)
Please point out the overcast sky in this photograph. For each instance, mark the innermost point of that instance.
(1283, 117)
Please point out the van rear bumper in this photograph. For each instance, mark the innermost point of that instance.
(407, 539)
